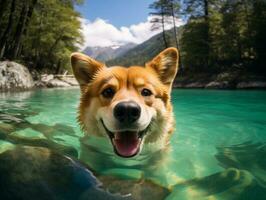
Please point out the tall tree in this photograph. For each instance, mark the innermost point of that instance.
(258, 23)
(200, 9)
(3, 7)
(23, 22)
(159, 19)
(15, 43)
(7, 32)
(40, 33)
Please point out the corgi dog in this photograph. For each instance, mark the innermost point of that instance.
(129, 107)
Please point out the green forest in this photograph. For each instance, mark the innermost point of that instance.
(39, 33)
(218, 35)
(222, 34)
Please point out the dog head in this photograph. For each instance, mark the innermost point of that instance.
(131, 106)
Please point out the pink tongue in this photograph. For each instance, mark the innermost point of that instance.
(126, 144)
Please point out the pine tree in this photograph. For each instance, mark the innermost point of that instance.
(159, 19)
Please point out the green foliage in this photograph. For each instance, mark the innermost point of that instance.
(194, 45)
(49, 37)
(229, 37)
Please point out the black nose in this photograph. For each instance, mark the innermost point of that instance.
(127, 112)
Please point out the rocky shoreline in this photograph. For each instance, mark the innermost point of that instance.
(51, 81)
(226, 80)
(16, 77)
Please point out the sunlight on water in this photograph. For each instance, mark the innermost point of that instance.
(218, 149)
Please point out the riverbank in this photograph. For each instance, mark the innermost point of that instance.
(16, 77)
(225, 80)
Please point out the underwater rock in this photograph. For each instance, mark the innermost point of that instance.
(14, 76)
(66, 150)
(30, 173)
(27, 134)
(5, 128)
(4, 146)
(138, 190)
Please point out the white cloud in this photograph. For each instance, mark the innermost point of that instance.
(101, 33)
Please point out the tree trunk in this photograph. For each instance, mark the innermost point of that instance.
(8, 29)
(58, 67)
(29, 15)
(175, 35)
(164, 35)
(19, 32)
(248, 20)
(173, 16)
(54, 45)
(206, 9)
(3, 8)
(207, 23)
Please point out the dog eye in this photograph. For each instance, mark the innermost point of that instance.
(146, 92)
(108, 93)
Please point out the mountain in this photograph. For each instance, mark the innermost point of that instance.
(107, 53)
(144, 51)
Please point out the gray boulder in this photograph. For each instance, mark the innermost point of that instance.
(51, 81)
(14, 76)
(57, 83)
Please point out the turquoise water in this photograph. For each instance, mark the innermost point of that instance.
(218, 148)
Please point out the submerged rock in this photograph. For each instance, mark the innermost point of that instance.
(14, 76)
(30, 137)
(138, 190)
(30, 173)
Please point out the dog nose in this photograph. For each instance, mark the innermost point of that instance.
(127, 112)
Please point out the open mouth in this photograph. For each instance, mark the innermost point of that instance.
(126, 143)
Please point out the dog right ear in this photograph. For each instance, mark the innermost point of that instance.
(84, 68)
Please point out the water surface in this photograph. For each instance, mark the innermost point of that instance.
(216, 131)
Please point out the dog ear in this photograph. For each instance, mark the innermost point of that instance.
(84, 68)
(165, 65)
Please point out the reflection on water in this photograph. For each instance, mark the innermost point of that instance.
(217, 152)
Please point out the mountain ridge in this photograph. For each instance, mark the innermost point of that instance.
(107, 53)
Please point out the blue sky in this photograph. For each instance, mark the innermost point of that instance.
(116, 22)
(117, 12)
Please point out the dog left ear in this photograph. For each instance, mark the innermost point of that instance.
(165, 65)
(84, 67)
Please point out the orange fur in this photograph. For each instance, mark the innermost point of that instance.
(157, 76)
